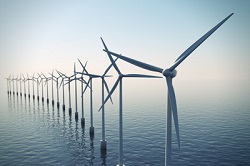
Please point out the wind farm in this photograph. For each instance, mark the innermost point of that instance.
(114, 106)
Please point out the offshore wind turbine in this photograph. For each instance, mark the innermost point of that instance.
(42, 78)
(16, 85)
(52, 79)
(20, 81)
(169, 74)
(62, 83)
(28, 79)
(119, 81)
(13, 85)
(37, 81)
(33, 79)
(69, 80)
(89, 84)
(8, 85)
(56, 80)
(24, 85)
(46, 82)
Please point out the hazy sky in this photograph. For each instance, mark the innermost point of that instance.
(37, 36)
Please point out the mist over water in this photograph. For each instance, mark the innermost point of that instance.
(213, 119)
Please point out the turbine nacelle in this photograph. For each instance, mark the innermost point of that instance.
(168, 73)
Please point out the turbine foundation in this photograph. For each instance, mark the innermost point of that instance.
(63, 107)
(91, 131)
(82, 121)
(42, 99)
(47, 100)
(103, 146)
(76, 115)
(53, 102)
(58, 104)
(70, 111)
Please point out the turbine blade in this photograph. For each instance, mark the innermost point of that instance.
(136, 62)
(107, 88)
(87, 85)
(140, 75)
(187, 52)
(110, 93)
(111, 59)
(173, 107)
(106, 71)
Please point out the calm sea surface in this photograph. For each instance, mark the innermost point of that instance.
(214, 120)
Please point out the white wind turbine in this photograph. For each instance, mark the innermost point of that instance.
(89, 84)
(24, 85)
(69, 80)
(20, 81)
(42, 78)
(169, 74)
(37, 85)
(28, 79)
(16, 85)
(119, 81)
(33, 79)
(46, 82)
(62, 83)
(52, 79)
(57, 92)
(13, 84)
(8, 85)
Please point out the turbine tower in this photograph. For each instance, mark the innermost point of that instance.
(119, 81)
(169, 74)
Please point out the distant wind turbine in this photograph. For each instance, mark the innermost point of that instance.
(16, 85)
(119, 81)
(20, 81)
(57, 92)
(52, 79)
(13, 79)
(46, 82)
(69, 80)
(169, 74)
(62, 83)
(33, 80)
(24, 85)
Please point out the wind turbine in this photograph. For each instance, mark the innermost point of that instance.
(20, 80)
(16, 85)
(46, 82)
(24, 85)
(28, 79)
(8, 85)
(42, 78)
(119, 81)
(89, 84)
(69, 80)
(52, 79)
(62, 82)
(169, 74)
(37, 81)
(56, 80)
(33, 79)
(82, 80)
(13, 84)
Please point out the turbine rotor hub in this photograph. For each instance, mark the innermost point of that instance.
(168, 73)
